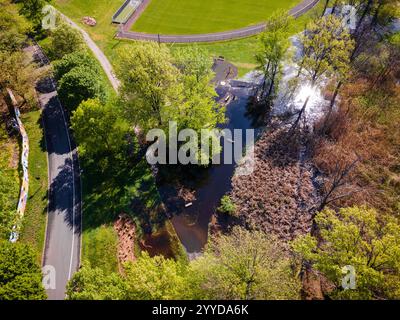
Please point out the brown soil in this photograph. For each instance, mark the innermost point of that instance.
(126, 230)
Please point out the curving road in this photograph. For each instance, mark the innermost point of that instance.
(125, 33)
(63, 231)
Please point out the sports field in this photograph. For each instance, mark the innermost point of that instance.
(205, 16)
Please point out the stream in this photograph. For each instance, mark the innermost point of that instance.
(211, 184)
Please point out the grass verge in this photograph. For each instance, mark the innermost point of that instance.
(34, 225)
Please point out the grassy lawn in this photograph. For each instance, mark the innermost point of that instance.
(122, 188)
(102, 10)
(34, 224)
(205, 16)
(240, 52)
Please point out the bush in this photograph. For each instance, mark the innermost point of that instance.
(80, 84)
(227, 206)
(20, 275)
(73, 60)
(65, 40)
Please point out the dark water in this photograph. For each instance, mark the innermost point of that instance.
(192, 223)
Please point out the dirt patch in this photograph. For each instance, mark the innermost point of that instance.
(224, 70)
(126, 231)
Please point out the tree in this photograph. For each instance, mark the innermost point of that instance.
(156, 91)
(155, 279)
(274, 43)
(99, 130)
(94, 284)
(244, 265)
(197, 108)
(149, 84)
(32, 9)
(80, 84)
(328, 47)
(356, 237)
(20, 275)
(145, 279)
(72, 60)
(13, 27)
(65, 40)
(194, 61)
(19, 74)
(333, 189)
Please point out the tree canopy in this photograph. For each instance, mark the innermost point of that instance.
(157, 88)
(99, 130)
(242, 265)
(360, 238)
(80, 84)
(20, 275)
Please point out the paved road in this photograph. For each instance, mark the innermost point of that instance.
(105, 63)
(125, 33)
(63, 233)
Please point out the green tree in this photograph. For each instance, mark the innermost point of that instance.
(32, 9)
(99, 130)
(360, 238)
(274, 43)
(197, 108)
(327, 46)
(94, 284)
(157, 91)
(65, 40)
(13, 27)
(155, 278)
(149, 84)
(20, 275)
(244, 265)
(72, 60)
(195, 61)
(19, 74)
(145, 279)
(80, 84)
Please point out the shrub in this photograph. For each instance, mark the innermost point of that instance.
(227, 206)
(73, 60)
(80, 84)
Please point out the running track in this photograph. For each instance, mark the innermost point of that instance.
(125, 33)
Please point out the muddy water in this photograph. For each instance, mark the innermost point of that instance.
(192, 223)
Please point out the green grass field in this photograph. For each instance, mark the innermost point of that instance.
(205, 16)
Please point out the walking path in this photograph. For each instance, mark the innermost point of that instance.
(105, 63)
(126, 33)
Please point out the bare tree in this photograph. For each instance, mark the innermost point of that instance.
(334, 188)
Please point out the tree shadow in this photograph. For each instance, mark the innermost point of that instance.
(121, 188)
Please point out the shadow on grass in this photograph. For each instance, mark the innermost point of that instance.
(121, 187)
